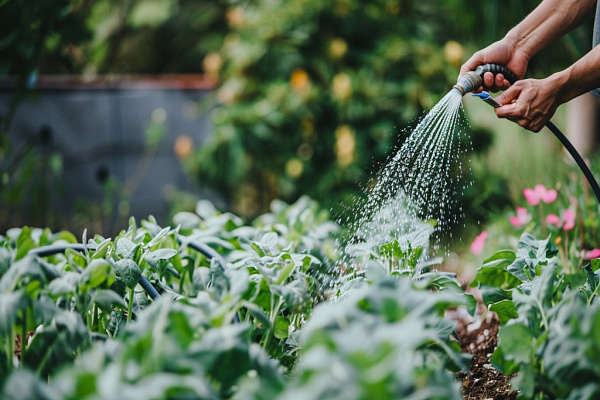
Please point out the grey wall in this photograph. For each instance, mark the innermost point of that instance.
(100, 132)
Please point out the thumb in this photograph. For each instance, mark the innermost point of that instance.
(509, 95)
(509, 110)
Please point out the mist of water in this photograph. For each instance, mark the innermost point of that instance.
(420, 183)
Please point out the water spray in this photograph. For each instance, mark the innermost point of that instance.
(474, 79)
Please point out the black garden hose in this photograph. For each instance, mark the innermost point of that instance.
(49, 250)
(474, 79)
(203, 248)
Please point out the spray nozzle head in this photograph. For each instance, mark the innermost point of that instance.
(469, 82)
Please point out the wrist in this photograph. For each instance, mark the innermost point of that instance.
(563, 84)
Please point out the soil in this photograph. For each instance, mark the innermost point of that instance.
(19, 343)
(478, 336)
(483, 382)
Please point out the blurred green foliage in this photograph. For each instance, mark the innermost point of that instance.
(314, 93)
(311, 95)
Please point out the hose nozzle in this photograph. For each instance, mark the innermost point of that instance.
(468, 82)
(474, 79)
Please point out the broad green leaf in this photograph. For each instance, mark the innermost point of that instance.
(127, 249)
(281, 328)
(492, 295)
(161, 254)
(517, 344)
(60, 287)
(10, 305)
(258, 313)
(106, 299)
(391, 250)
(500, 259)
(157, 238)
(294, 293)
(592, 279)
(25, 384)
(505, 309)
(238, 281)
(205, 209)
(96, 273)
(76, 260)
(64, 236)
(187, 220)
(223, 353)
(102, 249)
(269, 239)
(286, 271)
(519, 269)
(496, 276)
(595, 264)
(129, 272)
(24, 243)
(5, 260)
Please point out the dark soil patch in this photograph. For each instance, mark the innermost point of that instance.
(19, 343)
(483, 381)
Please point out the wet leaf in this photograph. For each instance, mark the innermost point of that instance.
(129, 272)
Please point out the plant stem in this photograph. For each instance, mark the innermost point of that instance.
(23, 335)
(47, 355)
(542, 219)
(542, 313)
(272, 316)
(130, 306)
(10, 350)
(563, 258)
(567, 252)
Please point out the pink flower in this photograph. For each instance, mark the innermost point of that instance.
(568, 218)
(539, 193)
(566, 222)
(522, 217)
(591, 254)
(477, 245)
(552, 219)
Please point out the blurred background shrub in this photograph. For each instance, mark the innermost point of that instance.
(310, 96)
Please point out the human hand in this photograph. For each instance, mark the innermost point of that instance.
(501, 53)
(530, 103)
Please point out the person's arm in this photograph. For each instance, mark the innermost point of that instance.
(550, 20)
(532, 102)
(547, 22)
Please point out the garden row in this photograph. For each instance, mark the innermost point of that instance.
(214, 308)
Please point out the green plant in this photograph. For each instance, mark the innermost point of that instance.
(230, 321)
(548, 315)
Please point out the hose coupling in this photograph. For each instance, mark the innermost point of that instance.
(468, 82)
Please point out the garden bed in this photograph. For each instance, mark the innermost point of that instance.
(218, 309)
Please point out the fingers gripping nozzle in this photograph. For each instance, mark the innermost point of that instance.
(474, 79)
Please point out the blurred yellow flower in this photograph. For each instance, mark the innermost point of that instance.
(231, 91)
(345, 145)
(235, 17)
(341, 87)
(338, 48)
(453, 51)
(212, 64)
(300, 81)
(183, 147)
(294, 168)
